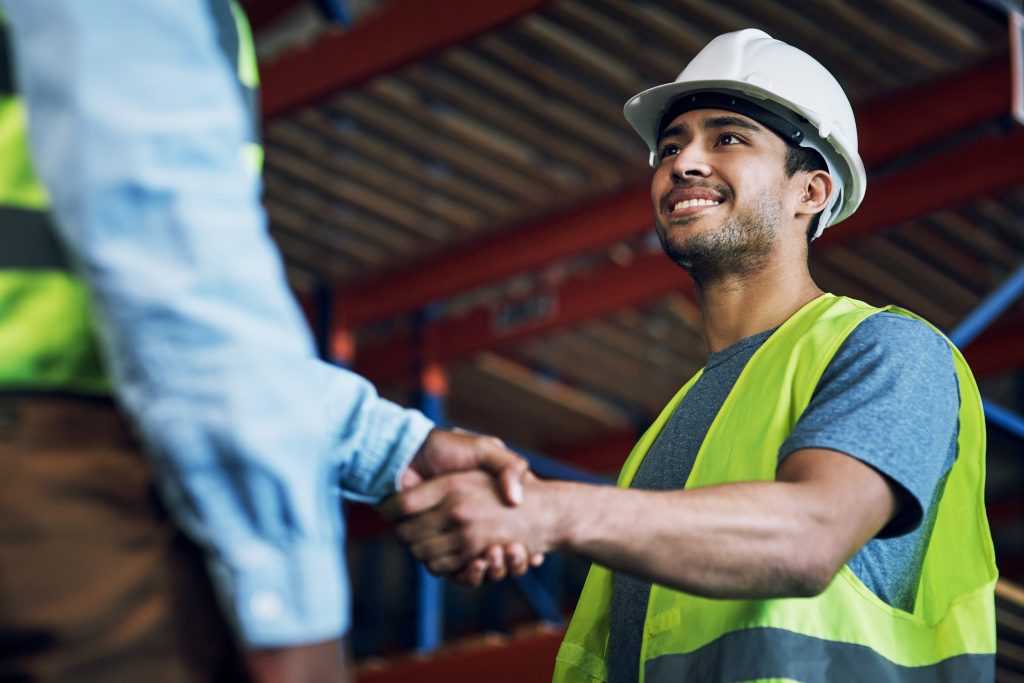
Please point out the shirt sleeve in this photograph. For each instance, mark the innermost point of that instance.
(890, 398)
(137, 130)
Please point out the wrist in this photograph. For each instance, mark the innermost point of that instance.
(554, 514)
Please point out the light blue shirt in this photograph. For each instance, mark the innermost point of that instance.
(136, 126)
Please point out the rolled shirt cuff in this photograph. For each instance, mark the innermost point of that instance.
(395, 434)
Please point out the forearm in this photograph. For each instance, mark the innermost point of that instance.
(733, 541)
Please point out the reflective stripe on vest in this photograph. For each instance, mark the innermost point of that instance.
(761, 654)
(29, 240)
(952, 625)
(6, 69)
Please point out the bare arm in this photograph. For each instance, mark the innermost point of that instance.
(758, 539)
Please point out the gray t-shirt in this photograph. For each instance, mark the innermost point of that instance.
(889, 398)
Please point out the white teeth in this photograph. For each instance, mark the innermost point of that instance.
(694, 202)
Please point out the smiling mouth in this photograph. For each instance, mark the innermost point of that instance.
(691, 203)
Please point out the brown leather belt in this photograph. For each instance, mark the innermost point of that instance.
(42, 422)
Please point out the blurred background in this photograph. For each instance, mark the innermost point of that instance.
(465, 216)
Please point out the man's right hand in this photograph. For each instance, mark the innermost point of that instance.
(453, 520)
(447, 451)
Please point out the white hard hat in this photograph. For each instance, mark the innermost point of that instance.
(804, 103)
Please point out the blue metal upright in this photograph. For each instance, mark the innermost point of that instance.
(990, 308)
(1005, 418)
(431, 396)
(540, 597)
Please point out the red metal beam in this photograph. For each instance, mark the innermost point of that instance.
(996, 351)
(614, 287)
(493, 659)
(401, 32)
(912, 118)
(262, 13)
(576, 230)
(889, 128)
(982, 168)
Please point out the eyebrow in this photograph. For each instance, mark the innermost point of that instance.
(712, 123)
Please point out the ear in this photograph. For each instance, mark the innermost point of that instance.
(816, 188)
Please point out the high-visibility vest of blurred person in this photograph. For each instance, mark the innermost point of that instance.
(47, 334)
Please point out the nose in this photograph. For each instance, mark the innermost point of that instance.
(690, 161)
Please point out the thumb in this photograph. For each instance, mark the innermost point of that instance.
(511, 471)
(415, 500)
(409, 479)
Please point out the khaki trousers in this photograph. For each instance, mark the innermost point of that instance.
(96, 584)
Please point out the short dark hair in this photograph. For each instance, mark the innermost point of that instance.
(805, 159)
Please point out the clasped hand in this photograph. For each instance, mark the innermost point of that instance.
(460, 509)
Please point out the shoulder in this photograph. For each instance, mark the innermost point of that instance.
(889, 328)
(891, 339)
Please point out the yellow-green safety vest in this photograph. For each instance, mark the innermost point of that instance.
(47, 336)
(846, 633)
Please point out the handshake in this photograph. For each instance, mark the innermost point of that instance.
(461, 511)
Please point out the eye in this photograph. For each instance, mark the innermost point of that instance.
(668, 151)
(730, 139)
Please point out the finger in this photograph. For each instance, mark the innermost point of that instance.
(415, 500)
(516, 559)
(536, 560)
(437, 547)
(473, 573)
(445, 564)
(422, 527)
(409, 479)
(496, 570)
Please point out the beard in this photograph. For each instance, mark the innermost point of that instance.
(737, 250)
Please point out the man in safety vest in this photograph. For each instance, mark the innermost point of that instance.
(140, 131)
(809, 507)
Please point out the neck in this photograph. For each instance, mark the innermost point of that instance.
(736, 308)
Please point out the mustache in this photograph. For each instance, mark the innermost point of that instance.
(721, 190)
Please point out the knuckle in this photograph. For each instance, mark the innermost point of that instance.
(461, 513)
(438, 566)
(473, 540)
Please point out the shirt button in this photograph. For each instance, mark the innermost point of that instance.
(266, 606)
